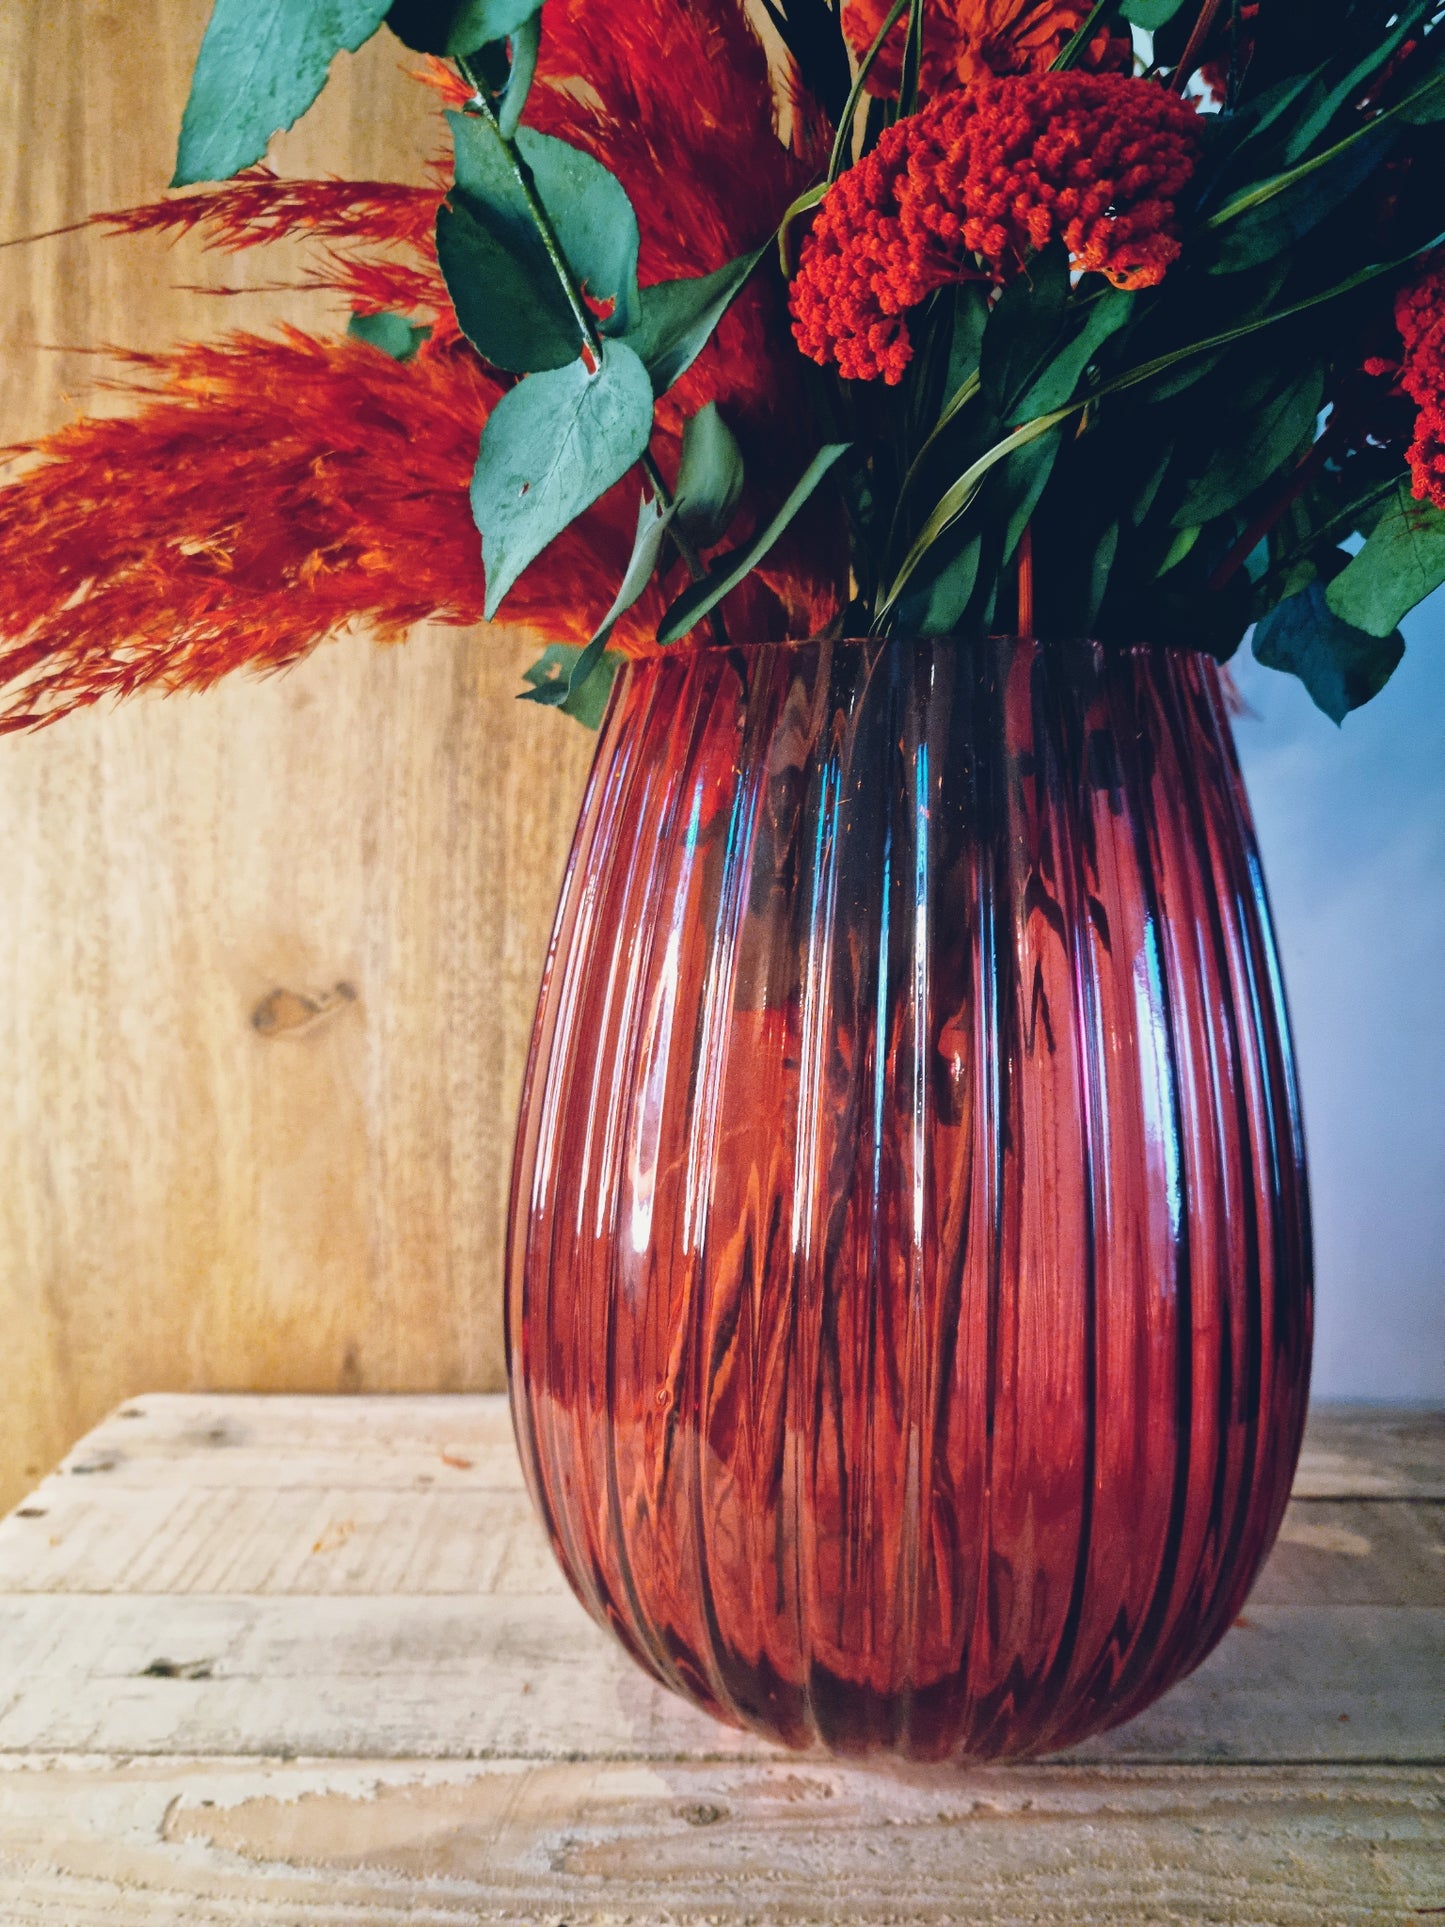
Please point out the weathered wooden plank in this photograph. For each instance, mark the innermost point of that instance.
(1350, 1451)
(200, 1843)
(500, 1675)
(176, 1441)
(448, 1534)
(307, 1539)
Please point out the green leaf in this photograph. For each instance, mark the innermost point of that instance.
(509, 302)
(709, 477)
(551, 446)
(1105, 551)
(970, 319)
(1182, 545)
(1339, 665)
(1021, 481)
(1077, 44)
(392, 333)
(957, 499)
(841, 155)
(1151, 15)
(1330, 100)
(1243, 463)
(728, 571)
(1276, 222)
(1336, 165)
(506, 291)
(566, 691)
(1149, 493)
(1023, 329)
(937, 608)
(584, 698)
(676, 318)
(1104, 315)
(452, 27)
(1402, 562)
(261, 64)
(526, 45)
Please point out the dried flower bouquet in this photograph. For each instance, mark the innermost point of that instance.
(938, 317)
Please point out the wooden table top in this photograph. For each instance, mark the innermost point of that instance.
(308, 1660)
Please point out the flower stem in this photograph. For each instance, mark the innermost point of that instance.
(581, 314)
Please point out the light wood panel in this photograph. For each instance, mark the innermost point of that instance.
(267, 955)
(267, 1659)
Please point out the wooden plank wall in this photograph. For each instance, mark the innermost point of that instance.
(188, 1200)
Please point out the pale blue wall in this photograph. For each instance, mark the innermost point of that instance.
(1352, 827)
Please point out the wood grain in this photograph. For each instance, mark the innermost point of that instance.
(183, 1843)
(200, 1191)
(284, 1659)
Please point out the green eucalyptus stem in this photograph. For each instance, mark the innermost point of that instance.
(581, 313)
(586, 321)
(686, 548)
(683, 542)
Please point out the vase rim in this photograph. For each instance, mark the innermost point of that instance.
(1051, 645)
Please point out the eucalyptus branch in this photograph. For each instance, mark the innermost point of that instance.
(581, 313)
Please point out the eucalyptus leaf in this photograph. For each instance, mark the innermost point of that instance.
(508, 296)
(551, 446)
(583, 697)
(709, 477)
(452, 27)
(565, 691)
(509, 302)
(728, 571)
(261, 65)
(1339, 665)
(1151, 15)
(526, 44)
(392, 333)
(1402, 562)
(676, 318)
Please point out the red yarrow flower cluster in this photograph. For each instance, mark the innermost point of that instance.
(977, 182)
(1420, 317)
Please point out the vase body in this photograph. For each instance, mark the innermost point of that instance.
(909, 1270)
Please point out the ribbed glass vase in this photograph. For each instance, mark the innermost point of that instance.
(909, 1274)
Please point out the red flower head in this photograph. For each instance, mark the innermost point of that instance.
(989, 176)
(1420, 317)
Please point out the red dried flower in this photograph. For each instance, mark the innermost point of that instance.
(268, 493)
(1420, 317)
(989, 176)
(965, 41)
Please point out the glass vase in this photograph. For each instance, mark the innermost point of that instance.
(909, 1266)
